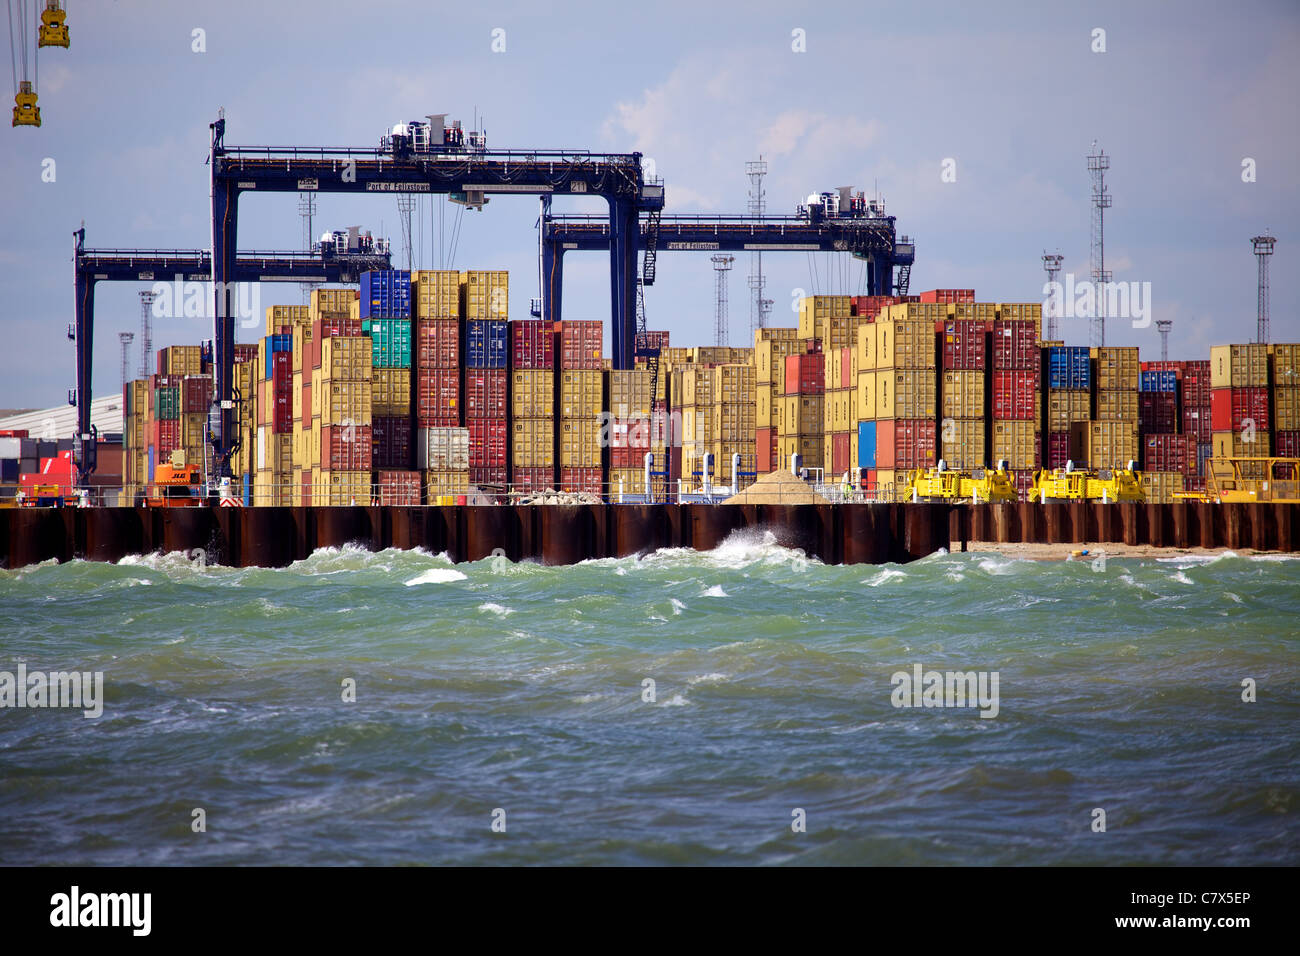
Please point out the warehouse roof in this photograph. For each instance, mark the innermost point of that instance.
(52, 424)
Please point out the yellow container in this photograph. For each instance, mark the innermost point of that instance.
(182, 360)
(532, 443)
(391, 391)
(441, 487)
(581, 394)
(435, 294)
(286, 316)
(1286, 366)
(1032, 311)
(1016, 442)
(905, 343)
(962, 395)
(802, 415)
(1238, 366)
(532, 393)
(331, 303)
(810, 448)
(1286, 408)
(347, 358)
(692, 386)
(733, 383)
(631, 481)
(1161, 486)
(579, 441)
(770, 355)
(768, 411)
(979, 311)
(697, 423)
(1117, 406)
(1067, 406)
(629, 393)
(342, 403)
(1233, 445)
(930, 312)
(1110, 444)
(961, 443)
(866, 396)
(1118, 368)
(484, 294)
(905, 393)
(733, 422)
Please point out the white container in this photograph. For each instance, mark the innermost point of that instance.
(442, 449)
(11, 448)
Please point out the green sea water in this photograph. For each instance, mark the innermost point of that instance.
(517, 694)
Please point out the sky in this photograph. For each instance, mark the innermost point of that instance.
(1008, 98)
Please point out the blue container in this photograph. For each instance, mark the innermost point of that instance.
(151, 457)
(487, 343)
(1204, 452)
(386, 294)
(9, 471)
(276, 343)
(1161, 381)
(1069, 366)
(866, 444)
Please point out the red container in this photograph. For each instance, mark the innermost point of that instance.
(196, 393)
(532, 344)
(493, 475)
(805, 374)
(1168, 453)
(1196, 384)
(1015, 345)
(304, 403)
(346, 448)
(166, 437)
(1164, 367)
(963, 344)
(437, 343)
(485, 393)
(656, 340)
(245, 353)
(1231, 408)
(905, 443)
(840, 453)
(1197, 423)
(581, 479)
(948, 296)
(1057, 446)
(1288, 444)
(532, 479)
(846, 368)
(1157, 414)
(627, 457)
(390, 441)
(398, 488)
(487, 442)
(872, 305)
(282, 387)
(1193, 483)
(579, 344)
(1024, 482)
(13, 432)
(765, 442)
(437, 397)
(1013, 395)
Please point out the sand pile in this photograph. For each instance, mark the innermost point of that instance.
(777, 488)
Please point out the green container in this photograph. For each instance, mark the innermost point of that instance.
(391, 341)
(167, 403)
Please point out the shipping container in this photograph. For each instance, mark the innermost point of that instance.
(765, 446)
(342, 403)
(964, 345)
(437, 397)
(904, 343)
(1286, 365)
(533, 479)
(629, 392)
(1158, 380)
(1168, 453)
(336, 303)
(532, 344)
(962, 443)
(1069, 367)
(865, 402)
(532, 443)
(580, 479)
(628, 481)
(1056, 449)
(397, 488)
(691, 385)
(1197, 424)
(733, 383)
(581, 395)
(1117, 406)
(805, 374)
(1238, 366)
(437, 343)
(166, 402)
(1161, 487)
(435, 293)
(925, 312)
(733, 422)
(948, 296)
(1015, 395)
(809, 449)
(803, 415)
(1157, 412)
(905, 393)
(343, 448)
(486, 344)
(1024, 311)
(485, 393)
(1067, 406)
(488, 476)
(1016, 346)
(1118, 368)
(442, 449)
(1237, 409)
(1286, 408)
(487, 442)
(904, 443)
(346, 359)
(392, 342)
(385, 294)
(446, 484)
(579, 344)
(1288, 443)
(485, 294)
(391, 391)
(870, 306)
(196, 393)
(768, 402)
(1196, 385)
(390, 439)
(867, 444)
(532, 393)
(181, 360)
(1097, 444)
(985, 312)
(770, 356)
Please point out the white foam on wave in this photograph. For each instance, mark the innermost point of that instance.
(677, 700)
(707, 679)
(436, 576)
(715, 591)
(496, 609)
(1234, 597)
(884, 576)
(997, 566)
(678, 606)
(1181, 578)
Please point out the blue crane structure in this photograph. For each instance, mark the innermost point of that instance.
(872, 239)
(91, 266)
(423, 158)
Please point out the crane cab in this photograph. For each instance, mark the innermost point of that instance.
(52, 30)
(26, 112)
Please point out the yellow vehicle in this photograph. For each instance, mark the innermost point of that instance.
(1073, 484)
(176, 484)
(943, 484)
(1253, 479)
